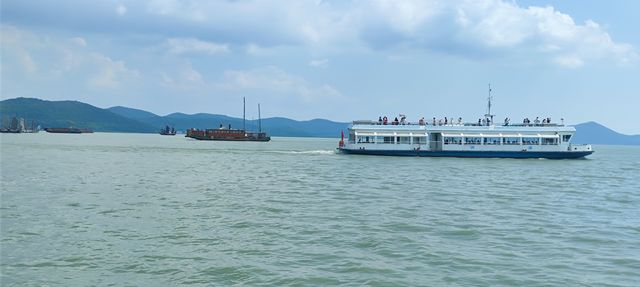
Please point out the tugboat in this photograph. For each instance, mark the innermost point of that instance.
(229, 134)
(457, 139)
(168, 131)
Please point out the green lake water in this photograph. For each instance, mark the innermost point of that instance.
(148, 210)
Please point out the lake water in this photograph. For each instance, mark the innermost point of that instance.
(150, 210)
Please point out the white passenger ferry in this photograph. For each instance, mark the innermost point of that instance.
(532, 140)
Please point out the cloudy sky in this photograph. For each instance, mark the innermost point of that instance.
(341, 60)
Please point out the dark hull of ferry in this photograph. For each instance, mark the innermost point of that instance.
(474, 154)
(265, 139)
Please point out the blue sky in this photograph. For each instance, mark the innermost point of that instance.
(340, 60)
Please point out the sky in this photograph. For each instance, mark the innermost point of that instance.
(577, 60)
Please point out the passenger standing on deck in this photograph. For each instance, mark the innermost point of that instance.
(385, 120)
(379, 120)
(445, 121)
(478, 121)
(421, 121)
(434, 121)
(395, 121)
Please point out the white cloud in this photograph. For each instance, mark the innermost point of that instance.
(278, 83)
(192, 45)
(499, 24)
(121, 10)
(319, 63)
(110, 73)
(28, 63)
(256, 50)
(79, 41)
(569, 61)
(466, 28)
(407, 16)
(189, 74)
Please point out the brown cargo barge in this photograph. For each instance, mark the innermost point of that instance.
(223, 134)
(229, 134)
(68, 130)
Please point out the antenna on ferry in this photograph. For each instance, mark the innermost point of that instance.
(489, 115)
(259, 120)
(243, 114)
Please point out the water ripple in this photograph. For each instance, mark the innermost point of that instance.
(145, 210)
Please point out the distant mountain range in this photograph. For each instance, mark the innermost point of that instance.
(123, 119)
(595, 133)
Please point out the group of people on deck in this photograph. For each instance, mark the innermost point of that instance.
(383, 120)
(536, 122)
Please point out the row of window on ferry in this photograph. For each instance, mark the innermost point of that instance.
(467, 140)
(499, 140)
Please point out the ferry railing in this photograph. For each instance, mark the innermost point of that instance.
(455, 124)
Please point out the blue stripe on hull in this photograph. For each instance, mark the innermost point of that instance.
(474, 154)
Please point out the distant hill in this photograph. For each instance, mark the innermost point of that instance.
(274, 126)
(595, 133)
(132, 113)
(124, 119)
(70, 114)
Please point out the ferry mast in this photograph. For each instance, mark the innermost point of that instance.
(259, 120)
(488, 115)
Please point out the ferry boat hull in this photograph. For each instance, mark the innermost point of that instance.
(472, 154)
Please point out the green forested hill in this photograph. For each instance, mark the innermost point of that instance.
(70, 114)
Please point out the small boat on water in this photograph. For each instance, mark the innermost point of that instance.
(484, 139)
(168, 131)
(69, 130)
(229, 134)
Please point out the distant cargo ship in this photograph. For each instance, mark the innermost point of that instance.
(229, 134)
(168, 131)
(68, 130)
